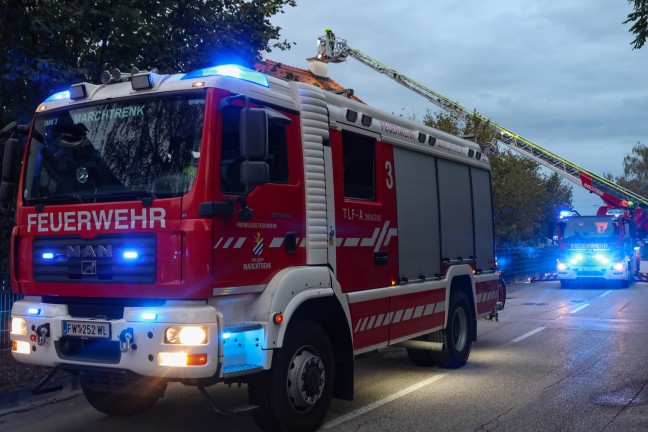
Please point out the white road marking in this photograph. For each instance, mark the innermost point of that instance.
(580, 308)
(526, 335)
(605, 293)
(372, 406)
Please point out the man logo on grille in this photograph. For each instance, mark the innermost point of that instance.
(258, 245)
(89, 267)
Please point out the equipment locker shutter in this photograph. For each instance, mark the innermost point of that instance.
(483, 208)
(455, 202)
(418, 214)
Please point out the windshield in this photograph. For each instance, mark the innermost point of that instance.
(122, 150)
(591, 229)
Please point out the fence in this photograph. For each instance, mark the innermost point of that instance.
(7, 299)
(523, 262)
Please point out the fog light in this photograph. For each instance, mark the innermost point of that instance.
(181, 359)
(562, 266)
(18, 326)
(21, 347)
(172, 359)
(186, 335)
(196, 359)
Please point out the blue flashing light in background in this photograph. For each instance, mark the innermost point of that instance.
(565, 213)
(232, 71)
(33, 311)
(130, 255)
(59, 96)
(48, 255)
(227, 335)
(148, 316)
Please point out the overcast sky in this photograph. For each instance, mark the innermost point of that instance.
(561, 73)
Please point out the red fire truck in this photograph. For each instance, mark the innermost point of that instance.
(600, 247)
(227, 226)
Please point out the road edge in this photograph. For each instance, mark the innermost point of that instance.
(24, 399)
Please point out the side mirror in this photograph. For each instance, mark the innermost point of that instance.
(7, 192)
(254, 173)
(11, 161)
(254, 134)
(10, 171)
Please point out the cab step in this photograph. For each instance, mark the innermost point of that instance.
(224, 413)
(242, 369)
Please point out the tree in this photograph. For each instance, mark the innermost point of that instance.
(640, 19)
(46, 45)
(524, 199)
(635, 171)
(49, 44)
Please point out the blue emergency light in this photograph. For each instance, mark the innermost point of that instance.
(59, 96)
(130, 255)
(232, 71)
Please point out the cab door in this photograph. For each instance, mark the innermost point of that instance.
(248, 252)
(366, 234)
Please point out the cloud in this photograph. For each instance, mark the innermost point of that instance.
(562, 74)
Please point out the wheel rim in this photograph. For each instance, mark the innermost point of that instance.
(459, 329)
(306, 379)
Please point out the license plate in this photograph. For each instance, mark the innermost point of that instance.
(90, 329)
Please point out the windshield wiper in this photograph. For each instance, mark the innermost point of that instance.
(39, 202)
(143, 195)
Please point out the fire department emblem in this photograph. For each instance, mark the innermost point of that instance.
(258, 244)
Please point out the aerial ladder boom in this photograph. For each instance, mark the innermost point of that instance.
(335, 50)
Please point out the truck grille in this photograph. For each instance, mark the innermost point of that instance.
(88, 350)
(96, 260)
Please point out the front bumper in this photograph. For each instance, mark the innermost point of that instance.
(135, 341)
(573, 273)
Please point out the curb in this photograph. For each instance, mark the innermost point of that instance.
(24, 400)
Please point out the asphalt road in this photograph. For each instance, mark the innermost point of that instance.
(557, 360)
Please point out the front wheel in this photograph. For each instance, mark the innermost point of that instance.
(123, 399)
(566, 283)
(295, 394)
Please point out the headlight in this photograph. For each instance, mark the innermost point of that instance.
(562, 266)
(602, 259)
(18, 326)
(186, 335)
(619, 267)
(576, 258)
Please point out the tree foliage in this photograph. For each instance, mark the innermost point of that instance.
(48, 44)
(635, 171)
(524, 199)
(639, 18)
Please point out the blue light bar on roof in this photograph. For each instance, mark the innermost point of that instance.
(59, 96)
(232, 71)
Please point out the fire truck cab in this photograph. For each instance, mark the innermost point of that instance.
(227, 226)
(596, 248)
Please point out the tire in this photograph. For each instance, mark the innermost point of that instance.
(295, 394)
(457, 337)
(501, 294)
(123, 401)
